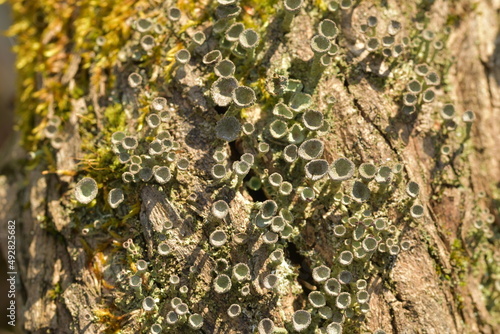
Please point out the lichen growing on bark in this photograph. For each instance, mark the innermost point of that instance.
(243, 207)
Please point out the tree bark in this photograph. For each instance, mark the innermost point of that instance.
(72, 266)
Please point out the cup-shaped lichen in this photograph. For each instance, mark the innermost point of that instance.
(145, 174)
(296, 134)
(300, 101)
(311, 149)
(372, 44)
(412, 189)
(241, 272)
(117, 137)
(266, 326)
(129, 143)
(243, 96)
(277, 224)
(312, 119)
(370, 244)
(234, 31)
(321, 273)
(384, 175)
(270, 237)
(135, 282)
(286, 188)
(301, 320)
(428, 95)
(270, 281)
(86, 190)
(153, 120)
(249, 39)
(334, 328)
(328, 29)
(195, 321)
(278, 128)
(228, 128)
(212, 57)
(156, 147)
(275, 179)
(218, 171)
(181, 309)
(222, 283)
(248, 128)
(307, 194)
(174, 14)
(222, 90)
(332, 287)
(421, 69)
(292, 5)
(199, 37)
(468, 116)
(345, 277)
(164, 249)
(218, 238)
(156, 329)
(143, 25)
(182, 164)
(134, 80)
(316, 299)
(361, 284)
(360, 192)
(325, 312)
(115, 197)
(316, 169)
(276, 256)
(162, 174)
(241, 168)
(290, 153)
(148, 304)
(268, 209)
(182, 56)
(432, 79)
(220, 209)
(283, 111)
(224, 68)
(147, 42)
(414, 87)
(320, 44)
(263, 147)
(339, 230)
(343, 300)
(172, 318)
(345, 258)
(394, 27)
(341, 169)
(417, 211)
(227, 12)
(234, 310)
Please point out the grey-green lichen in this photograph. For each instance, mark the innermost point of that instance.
(285, 194)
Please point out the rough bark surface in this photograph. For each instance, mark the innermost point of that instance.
(69, 280)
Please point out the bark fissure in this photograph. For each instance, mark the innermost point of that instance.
(365, 116)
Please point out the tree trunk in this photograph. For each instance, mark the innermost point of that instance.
(437, 273)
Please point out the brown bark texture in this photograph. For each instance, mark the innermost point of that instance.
(72, 261)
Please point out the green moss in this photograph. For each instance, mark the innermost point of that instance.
(56, 292)
(42, 21)
(115, 119)
(460, 261)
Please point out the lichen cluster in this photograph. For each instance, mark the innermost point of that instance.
(272, 178)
